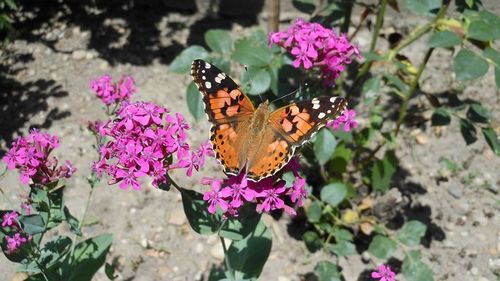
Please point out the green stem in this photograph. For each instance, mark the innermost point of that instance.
(80, 223)
(224, 247)
(414, 84)
(347, 16)
(378, 24)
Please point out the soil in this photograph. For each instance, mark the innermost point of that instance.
(55, 52)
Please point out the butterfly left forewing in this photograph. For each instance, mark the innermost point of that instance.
(298, 122)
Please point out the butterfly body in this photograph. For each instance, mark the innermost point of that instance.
(258, 140)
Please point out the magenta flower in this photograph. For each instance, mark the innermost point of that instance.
(10, 219)
(384, 273)
(30, 156)
(215, 197)
(271, 198)
(298, 192)
(14, 242)
(314, 45)
(110, 93)
(141, 142)
(348, 119)
(239, 191)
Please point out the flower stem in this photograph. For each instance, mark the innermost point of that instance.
(226, 259)
(80, 223)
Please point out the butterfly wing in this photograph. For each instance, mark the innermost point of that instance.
(289, 127)
(228, 109)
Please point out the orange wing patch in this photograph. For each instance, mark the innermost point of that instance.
(227, 140)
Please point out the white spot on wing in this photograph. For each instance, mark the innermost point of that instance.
(217, 79)
(321, 115)
(203, 77)
(208, 85)
(329, 111)
(332, 99)
(207, 65)
(315, 101)
(316, 105)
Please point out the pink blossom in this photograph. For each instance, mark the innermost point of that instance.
(215, 197)
(313, 45)
(14, 242)
(141, 142)
(10, 219)
(110, 93)
(298, 191)
(348, 119)
(30, 155)
(384, 273)
(272, 198)
(239, 191)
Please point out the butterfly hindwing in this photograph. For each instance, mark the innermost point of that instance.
(224, 102)
(297, 122)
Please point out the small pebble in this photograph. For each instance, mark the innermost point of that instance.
(421, 138)
(78, 54)
(455, 191)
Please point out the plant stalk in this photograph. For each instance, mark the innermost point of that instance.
(273, 19)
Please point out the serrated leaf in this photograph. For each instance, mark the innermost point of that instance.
(218, 40)
(313, 212)
(194, 101)
(467, 65)
(383, 170)
(324, 146)
(382, 247)
(248, 256)
(468, 131)
(440, 117)
(334, 193)
(182, 63)
(492, 139)
(444, 39)
(414, 269)
(411, 233)
(327, 271)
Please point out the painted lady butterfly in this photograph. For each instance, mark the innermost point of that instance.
(260, 140)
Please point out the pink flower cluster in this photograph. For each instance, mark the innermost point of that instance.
(384, 273)
(269, 194)
(314, 45)
(15, 241)
(141, 142)
(113, 93)
(347, 119)
(30, 155)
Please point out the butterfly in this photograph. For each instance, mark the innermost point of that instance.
(257, 140)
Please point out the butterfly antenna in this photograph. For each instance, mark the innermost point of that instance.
(251, 82)
(289, 94)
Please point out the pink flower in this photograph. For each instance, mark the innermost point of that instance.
(14, 242)
(30, 155)
(347, 119)
(239, 191)
(272, 198)
(215, 197)
(10, 219)
(384, 273)
(314, 45)
(110, 93)
(298, 191)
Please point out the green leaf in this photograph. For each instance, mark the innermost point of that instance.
(258, 79)
(89, 256)
(334, 193)
(324, 146)
(397, 82)
(371, 89)
(411, 233)
(248, 256)
(382, 247)
(54, 251)
(74, 224)
(492, 139)
(312, 241)
(440, 117)
(478, 113)
(468, 131)
(414, 269)
(218, 40)
(194, 101)
(372, 56)
(341, 234)
(480, 30)
(313, 213)
(493, 55)
(182, 63)
(467, 65)
(383, 170)
(444, 39)
(327, 271)
(196, 210)
(239, 228)
(343, 248)
(251, 53)
(305, 6)
(32, 224)
(377, 121)
(423, 7)
(341, 157)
